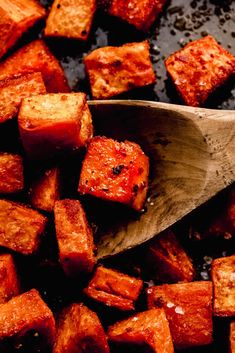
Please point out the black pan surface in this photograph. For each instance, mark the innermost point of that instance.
(180, 22)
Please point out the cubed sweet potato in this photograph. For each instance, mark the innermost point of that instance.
(115, 171)
(45, 190)
(52, 123)
(188, 308)
(36, 57)
(199, 68)
(114, 289)
(79, 330)
(9, 282)
(149, 328)
(167, 260)
(114, 70)
(11, 173)
(23, 315)
(20, 227)
(74, 236)
(14, 89)
(232, 337)
(139, 13)
(223, 277)
(70, 19)
(16, 17)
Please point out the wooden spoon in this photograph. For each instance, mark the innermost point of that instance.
(192, 158)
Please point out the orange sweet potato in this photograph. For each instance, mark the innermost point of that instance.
(79, 330)
(14, 89)
(188, 308)
(139, 13)
(16, 17)
(167, 260)
(70, 19)
(199, 68)
(11, 173)
(52, 123)
(74, 236)
(115, 171)
(45, 190)
(149, 328)
(223, 277)
(24, 314)
(114, 288)
(36, 57)
(232, 337)
(9, 281)
(114, 70)
(20, 227)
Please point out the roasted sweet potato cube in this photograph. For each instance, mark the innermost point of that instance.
(167, 260)
(20, 227)
(149, 328)
(9, 282)
(36, 57)
(232, 337)
(23, 315)
(80, 330)
(139, 13)
(16, 17)
(70, 19)
(45, 190)
(52, 123)
(188, 308)
(223, 277)
(115, 171)
(199, 68)
(114, 70)
(114, 288)
(74, 236)
(11, 173)
(14, 89)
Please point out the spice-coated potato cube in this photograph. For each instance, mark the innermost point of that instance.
(115, 171)
(24, 314)
(149, 328)
(20, 227)
(11, 173)
(79, 330)
(36, 57)
(114, 288)
(70, 19)
(45, 190)
(223, 277)
(139, 13)
(232, 337)
(188, 308)
(16, 17)
(114, 70)
(53, 122)
(199, 68)
(14, 89)
(9, 282)
(74, 236)
(168, 262)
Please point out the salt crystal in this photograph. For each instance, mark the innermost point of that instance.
(170, 305)
(179, 310)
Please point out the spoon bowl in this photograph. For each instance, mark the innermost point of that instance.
(192, 158)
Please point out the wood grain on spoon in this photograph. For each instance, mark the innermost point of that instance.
(192, 158)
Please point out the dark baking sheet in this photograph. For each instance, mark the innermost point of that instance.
(181, 21)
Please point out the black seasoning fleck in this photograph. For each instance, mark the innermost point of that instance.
(117, 170)
(58, 6)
